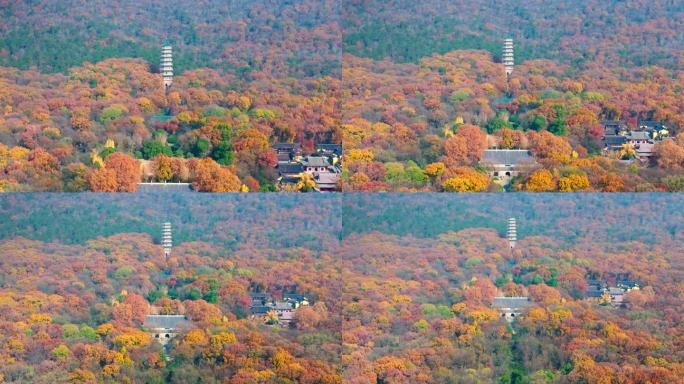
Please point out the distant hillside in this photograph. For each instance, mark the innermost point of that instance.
(614, 218)
(292, 37)
(614, 32)
(250, 220)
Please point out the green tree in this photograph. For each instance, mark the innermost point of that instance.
(154, 148)
(416, 175)
(61, 352)
(201, 147)
(112, 112)
(537, 123)
(496, 124)
(106, 152)
(223, 153)
(459, 96)
(214, 111)
(674, 183)
(559, 126)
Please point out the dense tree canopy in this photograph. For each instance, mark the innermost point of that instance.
(52, 125)
(449, 108)
(72, 309)
(408, 83)
(396, 298)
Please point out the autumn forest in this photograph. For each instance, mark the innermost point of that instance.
(417, 95)
(279, 192)
(392, 299)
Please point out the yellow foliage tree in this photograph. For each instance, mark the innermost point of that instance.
(272, 317)
(458, 308)
(541, 181)
(196, 338)
(573, 183)
(306, 183)
(483, 314)
(105, 329)
(387, 364)
(282, 358)
(19, 152)
(133, 338)
(163, 167)
(358, 179)
(81, 376)
(52, 132)
(186, 117)
(359, 155)
(61, 352)
(222, 338)
(627, 152)
(244, 102)
(435, 170)
(467, 181)
(96, 160)
(145, 104)
(42, 318)
(537, 315)
(111, 370)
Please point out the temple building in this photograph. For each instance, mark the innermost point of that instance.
(505, 164)
(512, 307)
(324, 165)
(163, 328)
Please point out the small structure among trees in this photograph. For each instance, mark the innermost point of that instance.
(610, 289)
(163, 328)
(276, 311)
(505, 164)
(319, 171)
(630, 144)
(512, 307)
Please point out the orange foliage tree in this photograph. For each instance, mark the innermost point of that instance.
(208, 176)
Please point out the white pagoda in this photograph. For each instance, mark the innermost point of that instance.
(512, 232)
(508, 61)
(166, 65)
(166, 242)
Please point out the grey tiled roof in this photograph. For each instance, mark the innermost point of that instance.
(594, 292)
(614, 140)
(334, 148)
(512, 302)
(286, 146)
(315, 161)
(294, 296)
(508, 156)
(260, 310)
(164, 187)
(638, 135)
(283, 305)
(651, 125)
(289, 180)
(166, 321)
(284, 168)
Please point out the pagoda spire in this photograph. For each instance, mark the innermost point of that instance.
(512, 232)
(167, 241)
(166, 66)
(508, 60)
